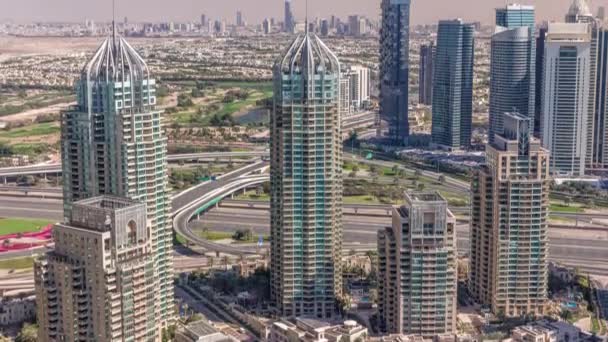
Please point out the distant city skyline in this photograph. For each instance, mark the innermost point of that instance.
(423, 11)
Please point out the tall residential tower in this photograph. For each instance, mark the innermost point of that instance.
(394, 69)
(510, 200)
(453, 85)
(113, 143)
(566, 97)
(512, 65)
(98, 284)
(306, 181)
(417, 268)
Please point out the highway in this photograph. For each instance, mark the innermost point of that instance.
(586, 249)
(56, 168)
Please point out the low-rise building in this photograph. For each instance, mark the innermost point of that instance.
(17, 310)
(546, 331)
(201, 331)
(312, 330)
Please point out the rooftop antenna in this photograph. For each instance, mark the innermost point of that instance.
(306, 22)
(114, 22)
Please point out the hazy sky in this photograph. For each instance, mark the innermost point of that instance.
(423, 11)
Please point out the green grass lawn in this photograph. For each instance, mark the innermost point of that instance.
(214, 236)
(595, 325)
(560, 208)
(17, 264)
(31, 131)
(21, 225)
(31, 149)
(363, 199)
(251, 196)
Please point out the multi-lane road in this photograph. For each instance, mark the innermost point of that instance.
(55, 168)
(587, 249)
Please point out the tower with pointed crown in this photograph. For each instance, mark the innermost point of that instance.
(113, 143)
(306, 181)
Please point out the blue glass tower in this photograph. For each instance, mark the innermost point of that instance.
(453, 85)
(513, 65)
(394, 68)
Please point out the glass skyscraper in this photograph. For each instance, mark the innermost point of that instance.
(306, 181)
(394, 69)
(513, 64)
(453, 85)
(113, 143)
(425, 73)
(289, 20)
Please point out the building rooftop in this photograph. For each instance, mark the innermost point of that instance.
(426, 197)
(201, 328)
(107, 202)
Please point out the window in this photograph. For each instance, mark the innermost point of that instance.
(132, 232)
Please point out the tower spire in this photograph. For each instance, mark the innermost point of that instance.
(114, 22)
(306, 21)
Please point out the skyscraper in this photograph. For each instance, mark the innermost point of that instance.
(113, 143)
(599, 148)
(359, 85)
(566, 97)
(417, 268)
(512, 65)
(425, 73)
(510, 208)
(538, 81)
(306, 181)
(99, 283)
(579, 13)
(266, 26)
(289, 21)
(453, 85)
(394, 69)
(239, 18)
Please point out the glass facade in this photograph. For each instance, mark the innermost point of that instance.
(394, 68)
(512, 65)
(453, 85)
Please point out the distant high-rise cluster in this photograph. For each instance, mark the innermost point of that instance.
(306, 181)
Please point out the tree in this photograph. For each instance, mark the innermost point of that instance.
(196, 93)
(421, 187)
(567, 201)
(28, 333)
